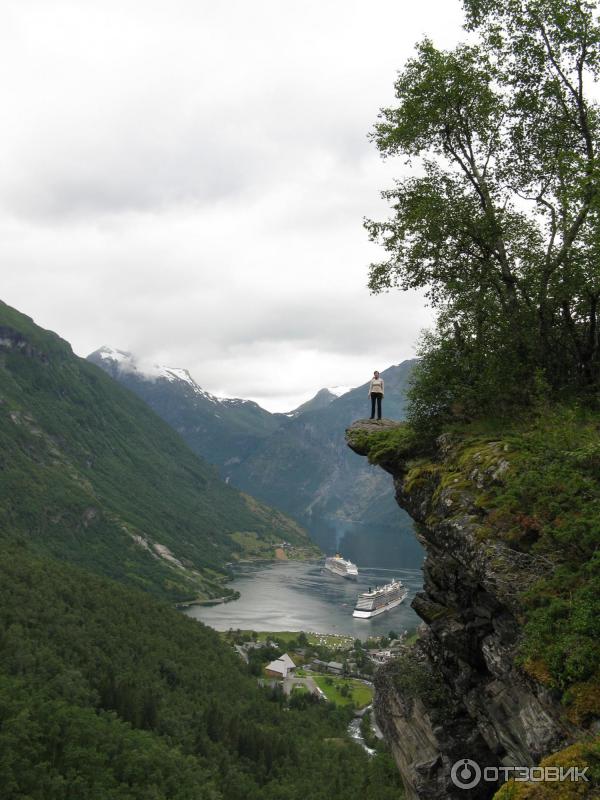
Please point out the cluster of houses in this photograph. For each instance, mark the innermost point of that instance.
(380, 656)
(284, 666)
(334, 667)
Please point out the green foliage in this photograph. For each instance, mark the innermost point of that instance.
(583, 754)
(448, 385)
(549, 504)
(108, 693)
(563, 628)
(89, 474)
(549, 501)
(384, 782)
(411, 637)
(345, 691)
(536, 484)
(52, 748)
(500, 224)
(388, 445)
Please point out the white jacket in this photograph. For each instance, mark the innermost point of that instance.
(376, 386)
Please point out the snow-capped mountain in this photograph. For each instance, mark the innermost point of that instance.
(338, 391)
(117, 362)
(218, 428)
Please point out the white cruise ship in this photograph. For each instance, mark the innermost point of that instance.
(341, 566)
(376, 601)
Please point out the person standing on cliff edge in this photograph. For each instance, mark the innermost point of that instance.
(376, 394)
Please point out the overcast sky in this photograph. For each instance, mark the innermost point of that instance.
(187, 180)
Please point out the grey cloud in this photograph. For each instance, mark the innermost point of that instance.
(188, 181)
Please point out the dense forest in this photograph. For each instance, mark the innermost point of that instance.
(108, 693)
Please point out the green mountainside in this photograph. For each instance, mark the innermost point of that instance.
(306, 470)
(88, 473)
(306, 466)
(109, 694)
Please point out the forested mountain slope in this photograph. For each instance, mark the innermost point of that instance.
(306, 470)
(109, 694)
(106, 691)
(88, 473)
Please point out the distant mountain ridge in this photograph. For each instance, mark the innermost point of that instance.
(297, 462)
(89, 474)
(303, 467)
(321, 400)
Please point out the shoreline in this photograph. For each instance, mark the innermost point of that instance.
(258, 562)
(211, 601)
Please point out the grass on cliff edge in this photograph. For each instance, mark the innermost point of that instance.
(544, 500)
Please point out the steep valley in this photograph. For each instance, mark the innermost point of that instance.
(296, 462)
(89, 474)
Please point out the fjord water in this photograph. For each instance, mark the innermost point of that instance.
(302, 596)
(371, 544)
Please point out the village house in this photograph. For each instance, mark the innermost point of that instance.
(281, 667)
(380, 656)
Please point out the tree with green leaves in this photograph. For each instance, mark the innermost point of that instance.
(497, 219)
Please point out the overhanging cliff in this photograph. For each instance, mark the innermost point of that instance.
(463, 691)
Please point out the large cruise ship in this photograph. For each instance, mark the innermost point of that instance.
(376, 601)
(341, 566)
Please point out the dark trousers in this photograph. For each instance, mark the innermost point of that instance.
(376, 397)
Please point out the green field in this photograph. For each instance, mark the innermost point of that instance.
(334, 641)
(331, 640)
(360, 694)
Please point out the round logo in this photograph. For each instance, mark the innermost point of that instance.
(465, 773)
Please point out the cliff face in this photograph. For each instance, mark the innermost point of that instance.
(458, 694)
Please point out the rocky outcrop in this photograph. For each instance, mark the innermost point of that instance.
(12, 340)
(458, 693)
